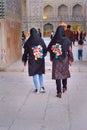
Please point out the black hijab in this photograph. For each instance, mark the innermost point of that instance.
(60, 38)
(59, 35)
(34, 40)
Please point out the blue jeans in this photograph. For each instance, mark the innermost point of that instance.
(38, 80)
(80, 54)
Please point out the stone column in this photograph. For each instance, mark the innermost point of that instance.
(27, 8)
(2, 45)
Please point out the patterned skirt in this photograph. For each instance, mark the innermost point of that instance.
(60, 69)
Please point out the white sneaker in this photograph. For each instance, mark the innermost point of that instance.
(42, 90)
(37, 91)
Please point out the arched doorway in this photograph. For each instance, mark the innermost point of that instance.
(48, 11)
(63, 11)
(77, 14)
(77, 26)
(47, 29)
(77, 10)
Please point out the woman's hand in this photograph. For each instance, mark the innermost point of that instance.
(70, 62)
(24, 63)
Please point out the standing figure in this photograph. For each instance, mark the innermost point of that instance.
(80, 46)
(61, 55)
(23, 38)
(35, 51)
(76, 34)
(69, 34)
(52, 35)
(84, 36)
(39, 32)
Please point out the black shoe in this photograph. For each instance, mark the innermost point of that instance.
(64, 89)
(35, 90)
(59, 95)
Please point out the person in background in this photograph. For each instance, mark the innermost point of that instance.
(76, 35)
(52, 35)
(61, 56)
(69, 34)
(39, 32)
(23, 38)
(34, 52)
(84, 36)
(80, 46)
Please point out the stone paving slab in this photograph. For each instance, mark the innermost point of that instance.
(22, 109)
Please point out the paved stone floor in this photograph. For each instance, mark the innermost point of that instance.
(22, 109)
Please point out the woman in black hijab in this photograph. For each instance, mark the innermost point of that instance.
(61, 56)
(35, 51)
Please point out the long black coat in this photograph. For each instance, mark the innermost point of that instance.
(60, 66)
(34, 66)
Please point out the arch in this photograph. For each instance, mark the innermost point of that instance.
(63, 10)
(48, 11)
(77, 10)
(47, 29)
(77, 26)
